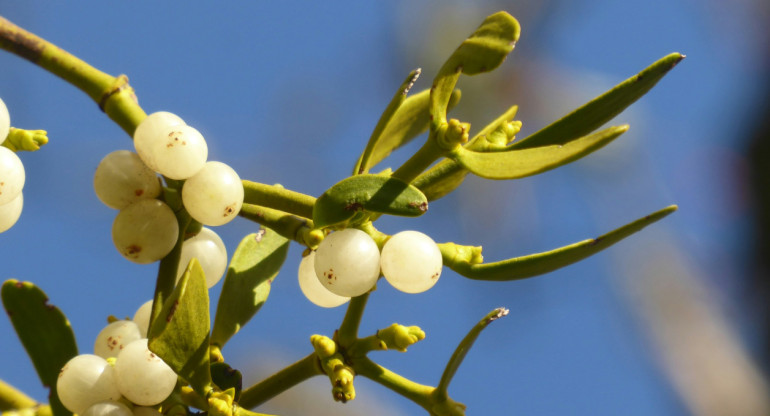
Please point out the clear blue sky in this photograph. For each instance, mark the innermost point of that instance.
(287, 92)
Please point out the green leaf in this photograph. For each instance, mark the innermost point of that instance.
(483, 51)
(180, 335)
(411, 120)
(364, 162)
(43, 330)
(462, 350)
(373, 193)
(601, 109)
(541, 263)
(512, 164)
(226, 377)
(255, 264)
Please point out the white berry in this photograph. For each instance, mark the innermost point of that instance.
(122, 178)
(10, 212)
(108, 408)
(114, 337)
(145, 231)
(5, 122)
(214, 195)
(211, 253)
(86, 379)
(347, 262)
(142, 317)
(142, 377)
(150, 130)
(12, 175)
(312, 288)
(411, 262)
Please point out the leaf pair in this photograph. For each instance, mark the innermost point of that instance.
(180, 336)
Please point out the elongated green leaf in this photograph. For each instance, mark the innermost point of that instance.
(44, 331)
(483, 51)
(364, 161)
(465, 345)
(541, 263)
(601, 109)
(373, 193)
(411, 120)
(255, 264)
(180, 335)
(512, 164)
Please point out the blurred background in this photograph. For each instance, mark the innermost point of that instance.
(673, 321)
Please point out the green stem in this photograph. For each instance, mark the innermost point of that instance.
(287, 225)
(277, 197)
(418, 393)
(281, 381)
(428, 153)
(13, 399)
(348, 332)
(169, 265)
(113, 94)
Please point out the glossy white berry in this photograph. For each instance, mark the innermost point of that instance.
(211, 253)
(312, 288)
(214, 195)
(142, 377)
(347, 262)
(142, 318)
(114, 337)
(10, 212)
(411, 262)
(12, 175)
(145, 231)
(122, 178)
(150, 130)
(86, 379)
(108, 408)
(5, 122)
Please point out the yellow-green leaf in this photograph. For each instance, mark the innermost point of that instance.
(483, 51)
(180, 335)
(44, 331)
(601, 109)
(255, 264)
(373, 193)
(411, 120)
(512, 164)
(541, 263)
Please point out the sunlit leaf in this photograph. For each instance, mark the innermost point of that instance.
(373, 193)
(601, 109)
(44, 331)
(512, 164)
(541, 263)
(411, 120)
(255, 264)
(483, 51)
(180, 335)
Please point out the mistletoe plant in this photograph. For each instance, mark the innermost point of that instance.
(169, 359)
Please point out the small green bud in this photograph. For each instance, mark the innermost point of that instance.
(324, 347)
(25, 140)
(399, 337)
(221, 403)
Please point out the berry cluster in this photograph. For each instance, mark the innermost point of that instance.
(146, 230)
(12, 177)
(121, 378)
(348, 263)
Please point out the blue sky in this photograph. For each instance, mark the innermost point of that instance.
(288, 93)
